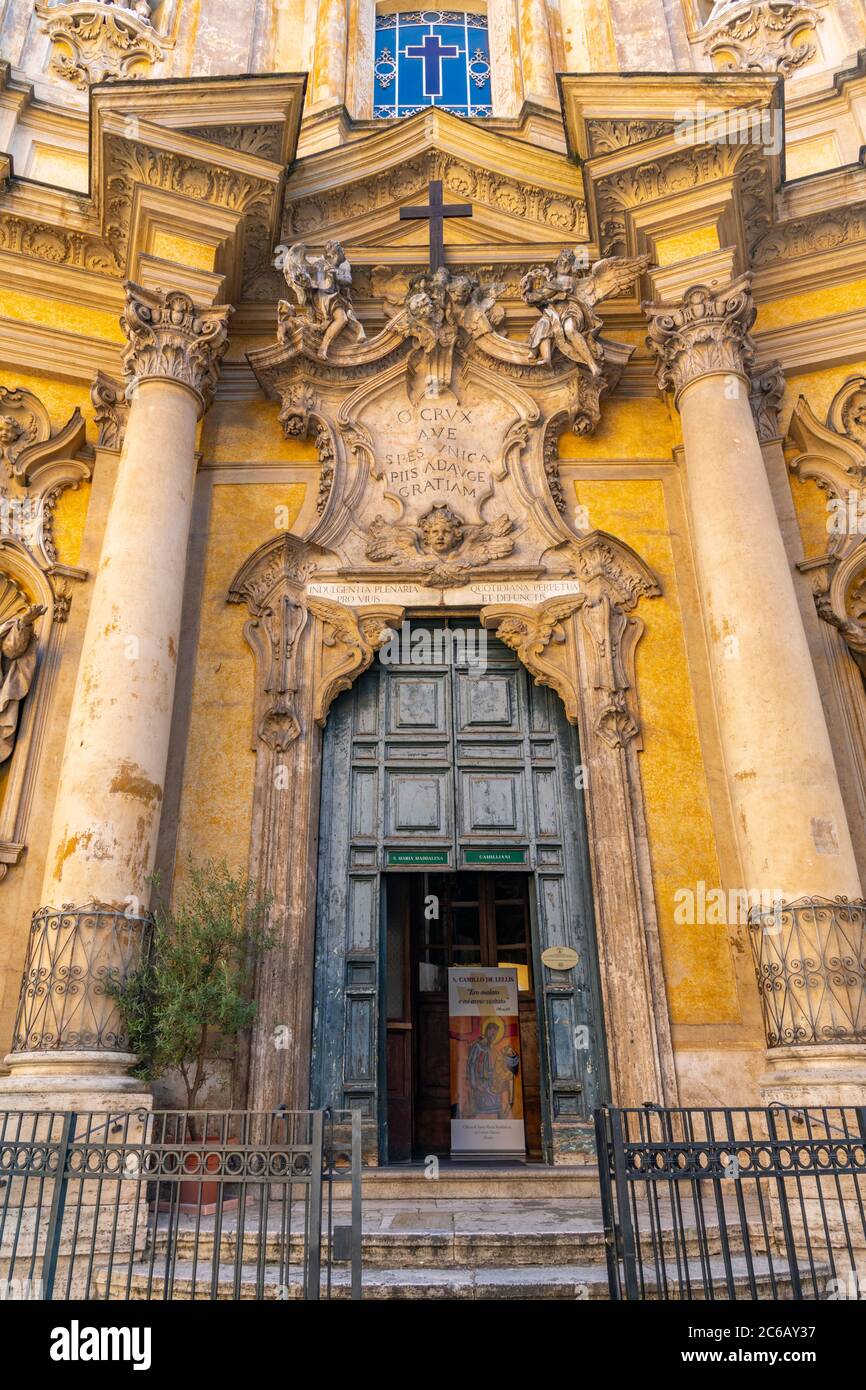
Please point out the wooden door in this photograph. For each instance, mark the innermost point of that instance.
(467, 765)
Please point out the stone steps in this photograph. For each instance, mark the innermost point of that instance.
(462, 1182)
(573, 1282)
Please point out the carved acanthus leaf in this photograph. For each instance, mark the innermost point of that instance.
(539, 638)
(271, 584)
(707, 332)
(100, 42)
(167, 336)
(765, 398)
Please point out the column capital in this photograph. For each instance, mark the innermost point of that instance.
(707, 333)
(168, 337)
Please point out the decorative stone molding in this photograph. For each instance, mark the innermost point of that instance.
(40, 464)
(765, 397)
(349, 642)
(767, 36)
(271, 584)
(608, 136)
(75, 955)
(100, 42)
(168, 337)
(620, 194)
(809, 236)
(613, 579)
(810, 964)
(834, 457)
(708, 333)
(562, 213)
(110, 410)
(529, 632)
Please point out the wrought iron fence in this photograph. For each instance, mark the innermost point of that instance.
(734, 1204)
(180, 1205)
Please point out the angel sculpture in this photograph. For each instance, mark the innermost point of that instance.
(438, 535)
(435, 306)
(566, 300)
(321, 286)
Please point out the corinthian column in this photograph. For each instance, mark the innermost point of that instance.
(102, 846)
(789, 816)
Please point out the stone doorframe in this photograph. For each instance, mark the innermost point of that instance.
(308, 649)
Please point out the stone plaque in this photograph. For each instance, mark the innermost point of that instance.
(362, 593)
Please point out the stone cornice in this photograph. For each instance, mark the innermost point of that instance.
(131, 154)
(707, 333)
(169, 338)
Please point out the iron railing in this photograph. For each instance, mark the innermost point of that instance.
(810, 962)
(180, 1205)
(76, 958)
(734, 1204)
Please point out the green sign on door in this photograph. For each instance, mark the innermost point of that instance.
(418, 857)
(495, 856)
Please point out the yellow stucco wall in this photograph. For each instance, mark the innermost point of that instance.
(235, 432)
(697, 959)
(628, 429)
(217, 795)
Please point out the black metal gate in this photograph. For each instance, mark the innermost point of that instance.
(734, 1204)
(180, 1205)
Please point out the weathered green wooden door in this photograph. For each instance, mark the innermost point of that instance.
(447, 756)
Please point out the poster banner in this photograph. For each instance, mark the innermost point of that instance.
(486, 1078)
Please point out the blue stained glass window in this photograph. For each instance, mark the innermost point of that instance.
(431, 58)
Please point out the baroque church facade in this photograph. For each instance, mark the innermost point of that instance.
(434, 455)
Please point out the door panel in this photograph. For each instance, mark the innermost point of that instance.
(453, 758)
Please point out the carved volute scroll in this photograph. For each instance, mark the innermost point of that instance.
(834, 456)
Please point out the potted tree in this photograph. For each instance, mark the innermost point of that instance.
(191, 996)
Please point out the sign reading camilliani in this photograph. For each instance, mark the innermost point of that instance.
(481, 592)
(486, 1079)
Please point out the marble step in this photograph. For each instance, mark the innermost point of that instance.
(466, 1182)
(576, 1283)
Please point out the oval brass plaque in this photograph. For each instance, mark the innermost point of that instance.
(559, 958)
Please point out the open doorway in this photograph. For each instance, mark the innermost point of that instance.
(437, 920)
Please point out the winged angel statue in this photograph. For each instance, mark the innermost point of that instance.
(441, 545)
(321, 287)
(566, 301)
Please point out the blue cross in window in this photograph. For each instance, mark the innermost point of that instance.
(431, 52)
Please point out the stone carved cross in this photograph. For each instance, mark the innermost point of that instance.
(436, 211)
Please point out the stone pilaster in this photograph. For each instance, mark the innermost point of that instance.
(539, 76)
(106, 817)
(330, 54)
(790, 820)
